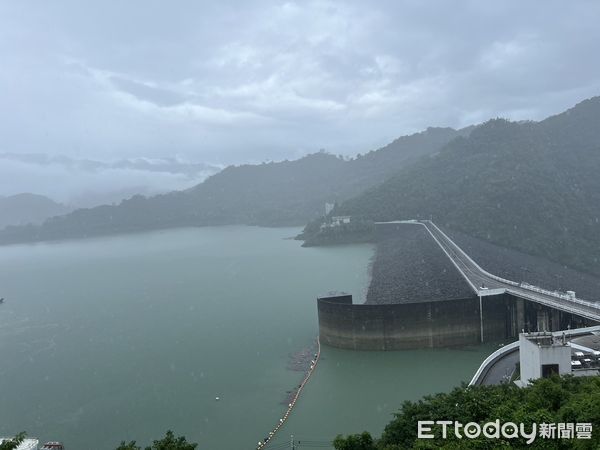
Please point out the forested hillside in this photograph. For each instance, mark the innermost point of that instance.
(547, 400)
(282, 193)
(531, 186)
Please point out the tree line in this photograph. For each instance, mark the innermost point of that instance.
(552, 400)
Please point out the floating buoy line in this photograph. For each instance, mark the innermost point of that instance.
(313, 364)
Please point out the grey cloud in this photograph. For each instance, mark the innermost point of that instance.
(158, 96)
(232, 82)
(86, 182)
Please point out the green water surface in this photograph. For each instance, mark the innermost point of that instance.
(124, 337)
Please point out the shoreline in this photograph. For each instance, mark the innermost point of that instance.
(262, 444)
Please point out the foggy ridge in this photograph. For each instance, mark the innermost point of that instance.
(282, 193)
(22, 209)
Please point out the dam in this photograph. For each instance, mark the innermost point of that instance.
(455, 302)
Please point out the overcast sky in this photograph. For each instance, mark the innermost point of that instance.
(228, 82)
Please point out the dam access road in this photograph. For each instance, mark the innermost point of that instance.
(485, 284)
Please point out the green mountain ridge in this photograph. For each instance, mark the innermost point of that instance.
(532, 186)
(273, 194)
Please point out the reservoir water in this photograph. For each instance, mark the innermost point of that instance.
(122, 338)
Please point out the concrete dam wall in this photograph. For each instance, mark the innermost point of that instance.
(449, 323)
(400, 326)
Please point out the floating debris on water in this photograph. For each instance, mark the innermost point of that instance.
(301, 361)
(309, 358)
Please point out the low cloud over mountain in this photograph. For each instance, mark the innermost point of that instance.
(86, 182)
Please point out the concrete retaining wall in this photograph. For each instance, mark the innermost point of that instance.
(410, 325)
(447, 323)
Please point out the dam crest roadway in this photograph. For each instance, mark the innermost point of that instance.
(486, 284)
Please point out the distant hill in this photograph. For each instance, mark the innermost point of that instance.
(532, 186)
(282, 193)
(22, 209)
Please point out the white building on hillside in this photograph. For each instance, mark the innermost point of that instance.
(336, 221)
